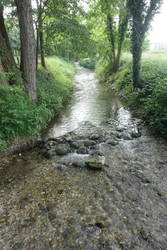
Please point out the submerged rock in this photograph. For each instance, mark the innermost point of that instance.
(48, 154)
(94, 136)
(74, 159)
(82, 150)
(62, 149)
(135, 133)
(95, 162)
(89, 143)
(76, 144)
(111, 142)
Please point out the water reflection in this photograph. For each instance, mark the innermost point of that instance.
(91, 102)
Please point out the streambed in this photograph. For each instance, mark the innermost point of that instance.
(51, 201)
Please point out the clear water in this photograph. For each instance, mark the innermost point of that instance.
(91, 102)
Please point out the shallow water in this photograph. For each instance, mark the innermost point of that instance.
(91, 102)
(54, 204)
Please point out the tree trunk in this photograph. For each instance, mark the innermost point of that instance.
(121, 33)
(7, 59)
(28, 56)
(137, 41)
(41, 48)
(111, 36)
(137, 53)
(37, 47)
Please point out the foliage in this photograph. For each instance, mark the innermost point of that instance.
(108, 23)
(64, 31)
(88, 63)
(14, 76)
(19, 116)
(123, 81)
(150, 100)
(103, 71)
(142, 13)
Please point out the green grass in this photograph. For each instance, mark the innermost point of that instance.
(150, 101)
(20, 117)
(88, 63)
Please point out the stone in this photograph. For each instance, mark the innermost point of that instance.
(95, 162)
(120, 129)
(1, 211)
(135, 133)
(132, 195)
(118, 135)
(96, 152)
(76, 144)
(126, 136)
(111, 142)
(94, 137)
(62, 149)
(82, 150)
(75, 159)
(89, 143)
(48, 153)
(68, 138)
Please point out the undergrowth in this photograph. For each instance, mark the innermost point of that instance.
(88, 63)
(150, 101)
(19, 116)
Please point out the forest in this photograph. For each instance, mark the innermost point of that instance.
(39, 42)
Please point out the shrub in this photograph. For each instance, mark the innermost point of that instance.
(88, 63)
(19, 116)
(155, 109)
(151, 99)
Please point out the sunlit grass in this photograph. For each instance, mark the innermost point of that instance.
(60, 67)
(158, 56)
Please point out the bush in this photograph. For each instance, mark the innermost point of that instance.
(151, 100)
(88, 63)
(19, 116)
(155, 109)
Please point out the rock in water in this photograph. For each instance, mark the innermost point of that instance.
(62, 149)
(95, 162)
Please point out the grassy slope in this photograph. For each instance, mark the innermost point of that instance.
(20, 117)
(151, 101)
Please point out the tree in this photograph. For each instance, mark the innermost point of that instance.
(116, 17)
(28, 56)
(41, 5)
(142, 14)
(63, 31)
(6, 56)
(116, 30)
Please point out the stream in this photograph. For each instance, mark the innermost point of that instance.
(50, 198)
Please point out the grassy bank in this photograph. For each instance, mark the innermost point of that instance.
(150, 102)
(20, 117)
(88, 63)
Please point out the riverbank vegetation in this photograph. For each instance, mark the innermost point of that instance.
(34, 84)
(88, 63)
(20, 116)
(150, 101)
(120, 36)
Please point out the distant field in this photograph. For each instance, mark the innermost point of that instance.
(148, 55)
